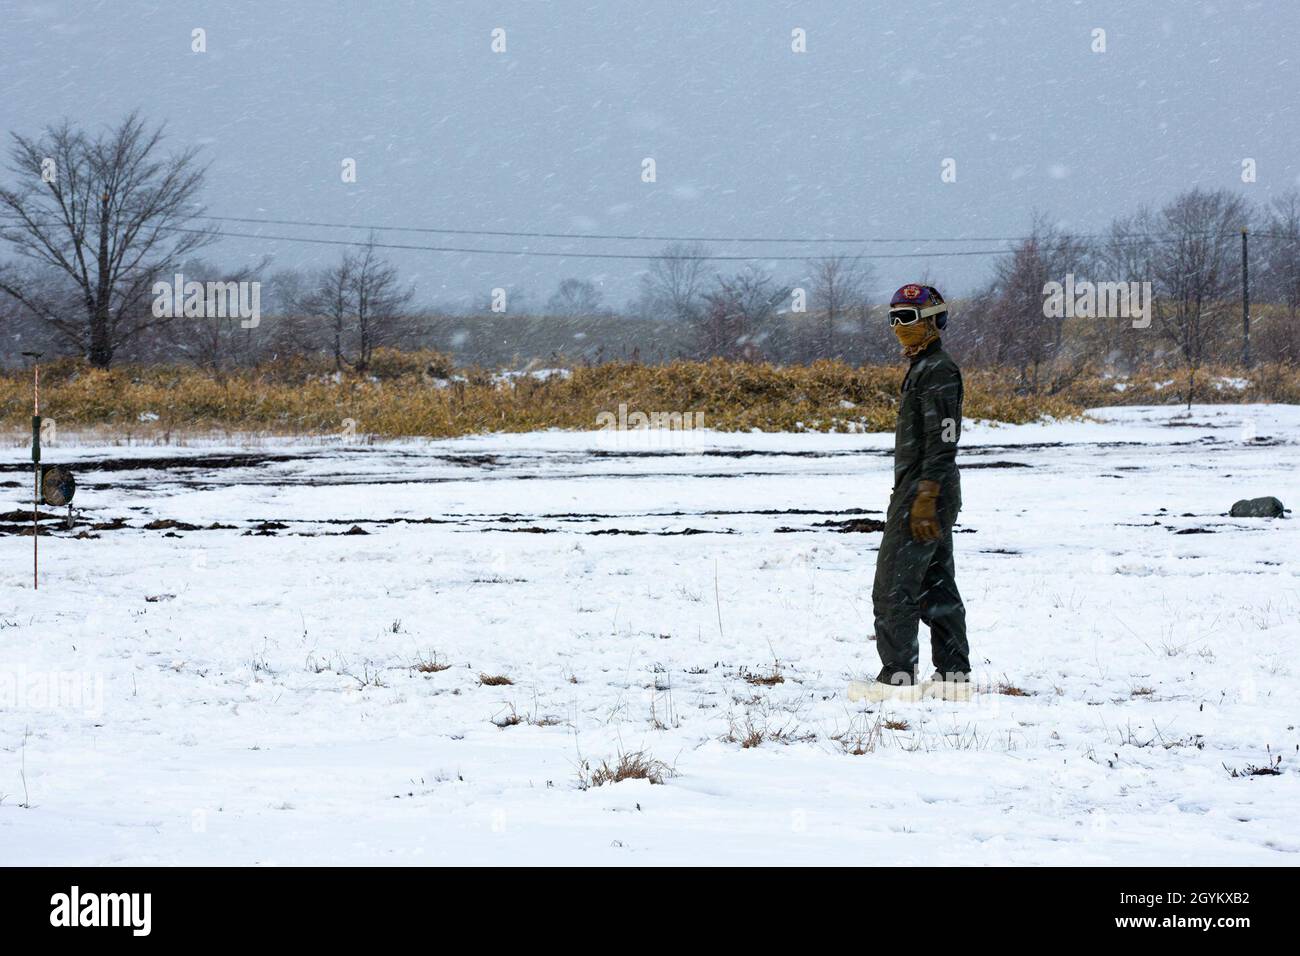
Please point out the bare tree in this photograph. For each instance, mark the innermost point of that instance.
(23, 329)
(574, 297)
(838, 292)
(1126, 253)
(1280, 281)
(972, 330)
(215, 342)
(1196, 272)
(362, 303)
(1027, 337)
(284, 290)
(333, 294)
(380, 302)
(738, 314)
(109, 213)
(674, 282)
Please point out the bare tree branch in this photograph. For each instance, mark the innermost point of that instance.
(107, 219)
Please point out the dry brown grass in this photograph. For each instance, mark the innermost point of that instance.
(1272, 768)
(863, 735)
(1278, 382)
(497, 680)
(511, 719)
(637, 765)
(762, 726)
(430, 665)
(419, 394)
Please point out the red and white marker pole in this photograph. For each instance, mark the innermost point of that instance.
(36, 466)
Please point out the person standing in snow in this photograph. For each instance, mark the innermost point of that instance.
(915, 577)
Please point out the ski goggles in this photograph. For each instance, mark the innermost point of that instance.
(911, 314)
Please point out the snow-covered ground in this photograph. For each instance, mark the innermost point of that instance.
(215, 696)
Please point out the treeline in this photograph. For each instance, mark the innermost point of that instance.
(92, 222)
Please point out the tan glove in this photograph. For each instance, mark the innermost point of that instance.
(924, 516)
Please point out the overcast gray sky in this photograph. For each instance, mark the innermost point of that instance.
(749, 138)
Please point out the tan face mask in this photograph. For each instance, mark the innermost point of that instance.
(916, 337)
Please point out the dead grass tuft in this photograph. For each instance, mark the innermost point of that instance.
(431, 665)
(510, 719)
(497, 680)
(763, 680)
(753, 732)
(862, 736)
(1271, 768)
(637, 765)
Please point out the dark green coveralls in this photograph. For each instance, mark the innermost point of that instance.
(916, 579)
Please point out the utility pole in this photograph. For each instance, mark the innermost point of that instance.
(1245, 298)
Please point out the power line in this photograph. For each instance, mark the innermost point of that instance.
(1137, 239)
(543, 253)
(584, 255)
(591, 235)
(374, 227)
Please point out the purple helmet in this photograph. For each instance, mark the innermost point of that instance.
(914, 302)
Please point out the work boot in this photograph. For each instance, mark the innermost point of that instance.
(955, 686)
(897, 686)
